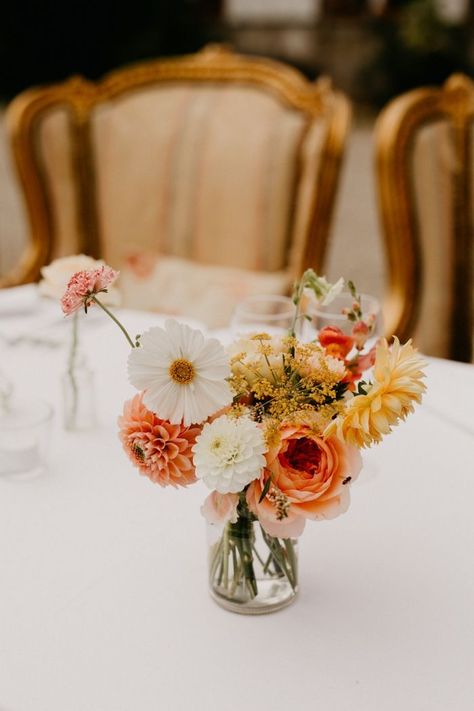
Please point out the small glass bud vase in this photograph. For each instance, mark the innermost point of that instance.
(78, 396)
(251, 572)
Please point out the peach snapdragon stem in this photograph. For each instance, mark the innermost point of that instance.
(109, 313)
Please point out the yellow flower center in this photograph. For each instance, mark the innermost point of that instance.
(216, 444)
(182, 371)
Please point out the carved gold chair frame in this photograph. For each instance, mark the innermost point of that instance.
(394, 136)
(212, 64)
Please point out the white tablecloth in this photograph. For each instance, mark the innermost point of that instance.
(103, 589)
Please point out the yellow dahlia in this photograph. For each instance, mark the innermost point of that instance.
(397, 385)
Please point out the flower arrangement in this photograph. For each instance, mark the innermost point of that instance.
(273, 426)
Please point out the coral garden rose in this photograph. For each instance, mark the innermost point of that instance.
(160, 450)
(310, 477)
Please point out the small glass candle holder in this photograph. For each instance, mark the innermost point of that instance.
(269, 314)
(333, 315)
(24, 437)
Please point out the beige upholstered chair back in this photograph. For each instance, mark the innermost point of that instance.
(424, 161)
(216, 157)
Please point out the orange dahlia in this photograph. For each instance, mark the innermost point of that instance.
(160, 450)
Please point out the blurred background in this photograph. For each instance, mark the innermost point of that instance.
(372, 49)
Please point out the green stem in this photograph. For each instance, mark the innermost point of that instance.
(280, 557)
(290, 551)
(215, 560)
(226, 558)
(267, 563)
(109, 313)
(71, 372)
(241, 535)
(237, 574)
(298, 293)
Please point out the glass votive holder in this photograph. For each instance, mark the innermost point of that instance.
(269, 314)
(24, 437)
(333, 315)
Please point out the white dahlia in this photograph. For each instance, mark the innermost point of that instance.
(182, 373)
(229, 454)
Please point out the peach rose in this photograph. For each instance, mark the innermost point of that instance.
(220, 508)
(310, 480)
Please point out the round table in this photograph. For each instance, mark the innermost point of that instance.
(103, 590)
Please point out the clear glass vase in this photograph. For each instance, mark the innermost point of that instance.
(78, 387)
(79, 412)
(251, 572)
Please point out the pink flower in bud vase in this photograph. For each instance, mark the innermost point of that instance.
(84, 285)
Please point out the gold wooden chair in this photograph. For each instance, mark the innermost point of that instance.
(424, 161)
(216, 157)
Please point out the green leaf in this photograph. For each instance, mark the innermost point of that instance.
(266, 488)
(351, 287)
(361, 387)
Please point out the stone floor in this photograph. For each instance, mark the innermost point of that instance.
(355, 248)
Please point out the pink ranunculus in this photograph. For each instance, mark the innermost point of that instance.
(310, 479)
(84, 285)
(220, 508)
(160, 450)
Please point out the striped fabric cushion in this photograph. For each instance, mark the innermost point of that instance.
(179, 287)
(201, 171)
(433, 169)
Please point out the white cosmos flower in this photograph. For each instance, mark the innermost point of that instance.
(182, 373)
(228, 453)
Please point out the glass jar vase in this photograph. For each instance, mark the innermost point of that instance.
(251, 572)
